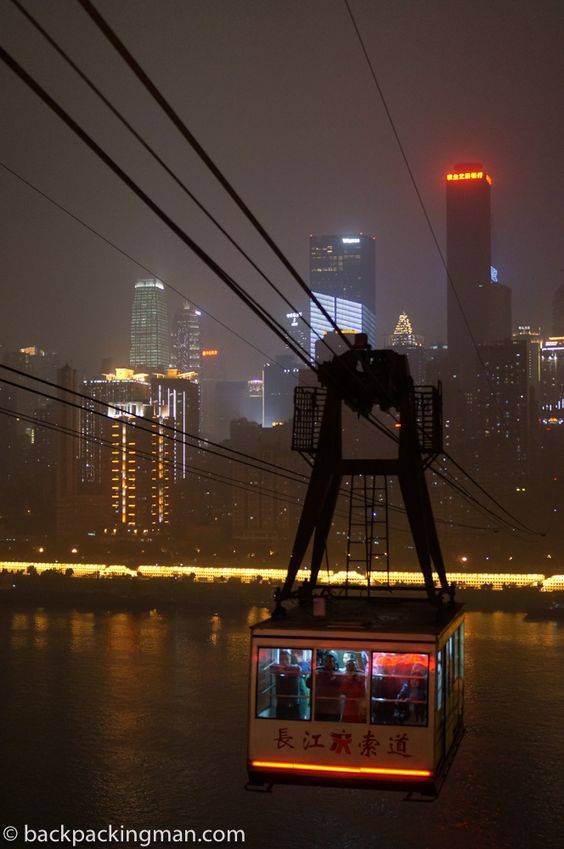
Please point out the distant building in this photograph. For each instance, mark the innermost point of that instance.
(405, 341)
(279, 381)
(342, 277)
(349, 316)
(478, 305)
(255, 395)
(150, 340)
(186, 339)
(140, 476)
(533, 335)
(552, 381)
(28, 451)
(501, 412)
(211, 373)
(263, 523)
(145, 461)
(344, 267)
(403, 335)
(298, 330)
(175, 397)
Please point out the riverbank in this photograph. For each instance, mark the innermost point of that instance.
(120, 593)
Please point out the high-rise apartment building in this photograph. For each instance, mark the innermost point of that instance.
(342, 276)
(186, 339)
(552, 380)
(478, 305)
(150, 339)
(147, 460)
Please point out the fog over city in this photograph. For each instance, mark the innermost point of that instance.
(354, 132)
(281, 97)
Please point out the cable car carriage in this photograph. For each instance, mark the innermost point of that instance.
(351, 685)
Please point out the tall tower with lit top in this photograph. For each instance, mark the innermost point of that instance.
(469, 262)
(150, 339)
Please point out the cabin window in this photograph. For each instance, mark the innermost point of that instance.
(399, 688)
(440, 684)
(341, 685)
(282, 692)
(460, 651)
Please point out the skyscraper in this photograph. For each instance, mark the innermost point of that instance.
(150, 340)
(342, 276)
(478, 306)
(343, 266)
(186, 339)
(349, 316)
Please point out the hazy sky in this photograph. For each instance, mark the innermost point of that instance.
(280, 95)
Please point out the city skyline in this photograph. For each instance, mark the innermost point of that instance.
(328, 186)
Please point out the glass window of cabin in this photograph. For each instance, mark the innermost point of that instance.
(440, 681)
(399, 688)
(449, 666)
(340, 683)
(282, 692)
(460, 657)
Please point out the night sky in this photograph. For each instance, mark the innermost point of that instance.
(281, 97)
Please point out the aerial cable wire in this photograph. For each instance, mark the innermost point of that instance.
(131, 423)
(176, 439)
(119, 409)
(135, 67)
(256, 308)
(427, 219)
(180, 183)
(415, 186)
(471, 498)
(58, 110)
(479, 486)
(169, 285)
(117, 114)
(215, 477)
(269, 358)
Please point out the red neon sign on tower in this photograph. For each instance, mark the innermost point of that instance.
(468, 175)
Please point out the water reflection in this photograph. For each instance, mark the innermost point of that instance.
(140, 719)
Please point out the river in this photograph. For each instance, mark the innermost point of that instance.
(140, 719)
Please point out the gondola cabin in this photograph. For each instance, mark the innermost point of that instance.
(368, 694)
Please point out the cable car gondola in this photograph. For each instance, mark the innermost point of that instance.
(350, 685)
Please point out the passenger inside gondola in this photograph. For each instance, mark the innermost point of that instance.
(287, 682)
(281, 688)
(399, 688)
(327, 690)
(353, 689)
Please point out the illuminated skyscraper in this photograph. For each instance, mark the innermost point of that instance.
(150, 340)
(186, 339)
(343, 266)
(342, 276)
(478, 306)
(349, 316)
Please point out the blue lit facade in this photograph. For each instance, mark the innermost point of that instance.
(342, 277)
(349, 316)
